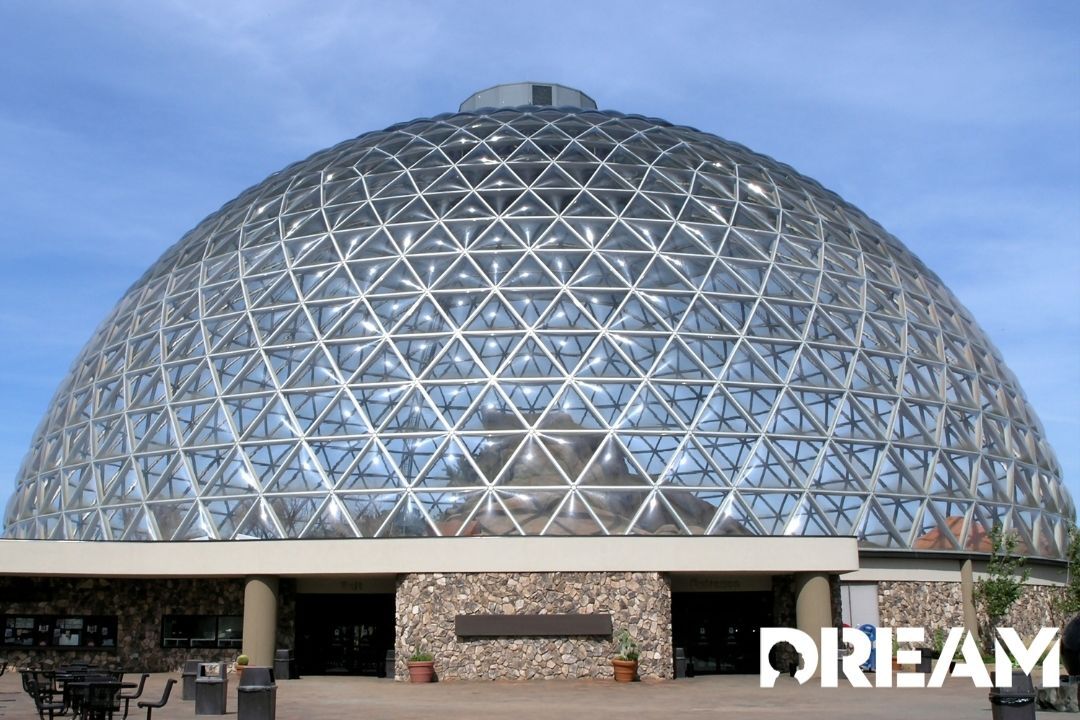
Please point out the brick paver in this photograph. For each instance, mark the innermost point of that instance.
(334, 698)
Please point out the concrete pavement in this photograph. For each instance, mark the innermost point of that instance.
(334, 698)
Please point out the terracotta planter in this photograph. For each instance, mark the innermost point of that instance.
(421, 672)
(625, 670)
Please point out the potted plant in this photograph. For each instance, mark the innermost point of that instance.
(241, 663)
(421, 667)
(625, 662)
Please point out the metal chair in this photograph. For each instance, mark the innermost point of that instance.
(128, 697)
(151, 706)
(102, 700)
(43, 698)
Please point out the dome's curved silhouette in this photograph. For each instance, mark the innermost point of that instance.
(540, 321)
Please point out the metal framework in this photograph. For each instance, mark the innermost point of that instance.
(541, 321)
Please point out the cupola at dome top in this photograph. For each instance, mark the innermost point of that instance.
(528, 93)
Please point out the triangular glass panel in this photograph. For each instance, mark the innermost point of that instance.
(691, 468)
(566, 348)
(307, 405)
(299, 472)
(336, 458)
(728, 454)
(494, 315)
(648, 412)
(408, 520)
(347, 357)
(530, 399)
(723, 414)
(259, 524)
(594, 273)
(768, 470)
(451, 468)
(677, 362)
(734, 519)
(457, 362)
(493, 350)
(425, 318)
(686, 399)
(413, 414)
(570, 410)
(385, 365)
(419, 352)
(340, 419)
(809, 520)
(652, 453)
(452, 401)
(609, 398)
(410, 454)
(377, 402)
(772, 510)
(756, 402)
(600, 305)
(656, 517)
(533, 466)
(529, 360)
(636, 315)
(604, 360)
(572, 518)
(790, 418)
(293, 511)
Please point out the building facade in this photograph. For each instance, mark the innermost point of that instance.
(526, 358)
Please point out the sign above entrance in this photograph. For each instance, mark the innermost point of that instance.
(532, 625)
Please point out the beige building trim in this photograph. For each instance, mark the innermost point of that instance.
(921, 569)
(301, 558)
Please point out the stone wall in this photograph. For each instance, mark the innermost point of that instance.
(427, 604)
(139, 606)
(939, 605)
(929, 605)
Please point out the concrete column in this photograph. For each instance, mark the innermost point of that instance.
(967, 594)
(813, 605)
(260, 619)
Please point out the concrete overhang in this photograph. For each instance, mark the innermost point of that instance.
(327, 558)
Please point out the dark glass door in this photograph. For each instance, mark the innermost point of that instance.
(719, 631)
(344, 634)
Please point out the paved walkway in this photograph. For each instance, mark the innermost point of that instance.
(335, 698)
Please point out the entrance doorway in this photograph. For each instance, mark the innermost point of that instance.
(344, 634)
(718, 631)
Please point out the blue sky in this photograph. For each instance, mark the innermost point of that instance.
(956, 125)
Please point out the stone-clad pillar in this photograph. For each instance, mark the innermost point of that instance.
(813, 605)
(260, 619)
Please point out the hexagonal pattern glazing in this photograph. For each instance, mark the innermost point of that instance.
(539, 321)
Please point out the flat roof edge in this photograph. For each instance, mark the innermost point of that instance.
(300, 558)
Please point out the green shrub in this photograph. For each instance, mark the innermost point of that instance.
(626, 648)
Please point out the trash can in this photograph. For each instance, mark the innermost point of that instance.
(285, 665)
(924, 665)
(391, 671)
(871, 632)
(680, 663)
(256, 695)
(187, 679)
(1016, 702)
(211, 689)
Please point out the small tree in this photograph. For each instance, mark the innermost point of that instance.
(1067, 603)
(1004, 581)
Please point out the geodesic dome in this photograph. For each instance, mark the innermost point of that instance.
(540, 321)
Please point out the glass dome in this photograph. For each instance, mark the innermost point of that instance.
(540, 321)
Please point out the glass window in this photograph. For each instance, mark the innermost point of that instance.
(202, 631)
